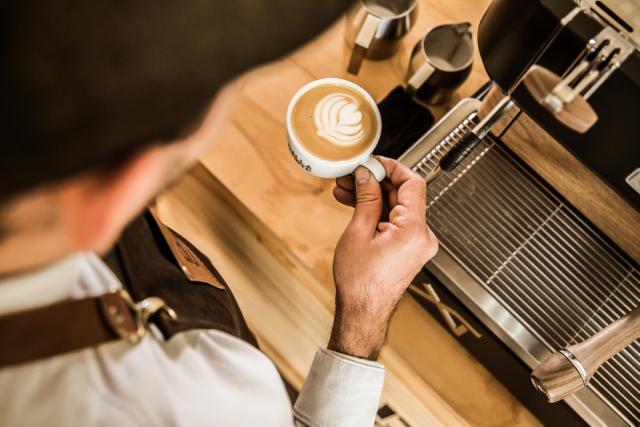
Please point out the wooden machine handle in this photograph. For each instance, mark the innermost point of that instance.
(577, 115)
(568, 370)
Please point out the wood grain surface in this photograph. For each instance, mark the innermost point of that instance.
(271, 229)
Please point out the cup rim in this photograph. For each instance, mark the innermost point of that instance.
(333, 80)
(424, 53)
(409, 10)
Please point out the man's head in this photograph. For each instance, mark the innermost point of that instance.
(106, 102)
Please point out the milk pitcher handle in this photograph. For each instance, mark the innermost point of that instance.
(418, 78)
(363, 42)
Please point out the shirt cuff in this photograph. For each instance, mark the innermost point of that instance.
(340, 390)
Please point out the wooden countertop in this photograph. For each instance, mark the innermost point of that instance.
(252, 160)
(271, 230)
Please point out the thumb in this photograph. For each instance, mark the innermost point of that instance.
(368, 201)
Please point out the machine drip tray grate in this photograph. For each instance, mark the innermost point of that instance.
(534, 253)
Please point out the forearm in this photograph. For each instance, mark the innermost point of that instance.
(359, 330)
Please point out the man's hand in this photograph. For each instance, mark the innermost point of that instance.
(383, 248)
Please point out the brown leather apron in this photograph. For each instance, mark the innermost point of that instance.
(146, 266)
(159, 269)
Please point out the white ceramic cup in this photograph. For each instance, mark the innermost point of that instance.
(334, 168)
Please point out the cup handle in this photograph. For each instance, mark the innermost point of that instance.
(363, 42)
(420, 77)
(376, 168)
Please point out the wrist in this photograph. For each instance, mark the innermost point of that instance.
(359, 331)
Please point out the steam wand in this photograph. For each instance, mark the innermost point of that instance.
(471, 139)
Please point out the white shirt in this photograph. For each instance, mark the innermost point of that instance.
(197, 378)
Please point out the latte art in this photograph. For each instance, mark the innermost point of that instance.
(334, 121)
(338, 119)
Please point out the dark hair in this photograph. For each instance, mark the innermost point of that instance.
(87, 82)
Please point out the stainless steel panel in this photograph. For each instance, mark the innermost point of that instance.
(524, 261)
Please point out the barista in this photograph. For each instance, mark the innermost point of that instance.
(104, 104)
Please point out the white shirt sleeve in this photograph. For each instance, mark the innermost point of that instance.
(340, 390)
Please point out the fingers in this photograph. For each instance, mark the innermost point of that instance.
(397, 173)
(346, 182)
(405, 193)
(368, 202)
(432, 244)
(391, 193)
(348, 197)
(383, 227)
(345, 190)
(411, 188)
(344, 196)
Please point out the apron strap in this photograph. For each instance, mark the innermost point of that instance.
(75, 324)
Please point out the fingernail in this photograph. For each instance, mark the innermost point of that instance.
(362, 175)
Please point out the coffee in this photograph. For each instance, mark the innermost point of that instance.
(333, 126)
(334, 122)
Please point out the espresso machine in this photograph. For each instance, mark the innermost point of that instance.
(535, 197)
